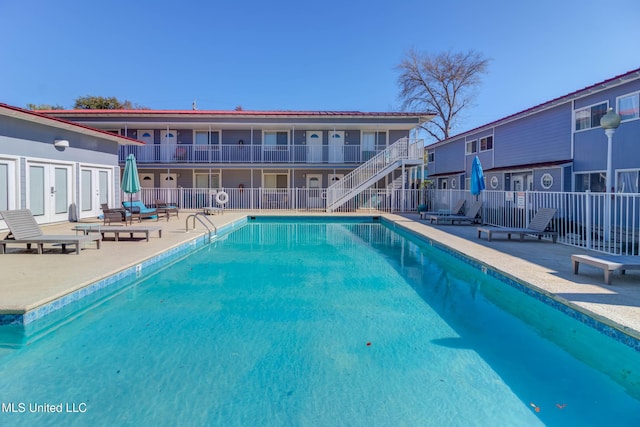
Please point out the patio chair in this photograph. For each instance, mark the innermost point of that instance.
(537, 227)
(608, 263)
(24, 229)
(166, 209)
(472, 216)
(110, 215)
(457, 209)
(139, 210)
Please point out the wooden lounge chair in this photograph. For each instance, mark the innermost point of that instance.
(25, 229)
(110, 215)
(457, 209)
(608, 263)
(166, 209)
(139, 211)
(537, 227)
(117, 230)
(472, 216)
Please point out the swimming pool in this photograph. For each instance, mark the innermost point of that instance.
(317, 323)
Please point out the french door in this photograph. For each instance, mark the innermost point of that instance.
(49, 191)
(96, 188)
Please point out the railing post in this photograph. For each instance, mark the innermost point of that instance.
(587, 220)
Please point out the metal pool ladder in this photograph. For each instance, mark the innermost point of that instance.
(207, 224)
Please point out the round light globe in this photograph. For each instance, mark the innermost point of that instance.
(611, 120)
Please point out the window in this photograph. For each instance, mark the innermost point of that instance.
(4, 186)
(546, 181)
(276, 140)
(594, 182)
(472, 146)
(87, 189)
(628, 182)
(207, 180)
(275, 180)
(207, 138)
(431, 156)
(486, 143)
(629, 106)
(368, 145)
(206, 149)
(589, 117)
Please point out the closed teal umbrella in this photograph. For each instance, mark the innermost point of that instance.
(130, 182)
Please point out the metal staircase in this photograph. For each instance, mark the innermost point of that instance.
(405, 151)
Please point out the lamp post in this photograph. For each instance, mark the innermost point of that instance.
(609, 122)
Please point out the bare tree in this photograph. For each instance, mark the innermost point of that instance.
(443, 83)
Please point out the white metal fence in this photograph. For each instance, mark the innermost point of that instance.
(298, 199)
(605, 223)
(597, 221)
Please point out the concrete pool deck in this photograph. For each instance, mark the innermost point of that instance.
(30, 280)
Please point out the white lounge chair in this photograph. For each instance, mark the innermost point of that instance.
(608, 263)
(537, 227)
(25, 229)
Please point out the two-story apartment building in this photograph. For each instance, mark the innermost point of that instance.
(239, 150)
(555, 146)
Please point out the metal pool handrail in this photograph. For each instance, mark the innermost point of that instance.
(200, 217)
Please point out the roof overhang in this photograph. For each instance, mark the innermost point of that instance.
(187, 119)
(46, 120)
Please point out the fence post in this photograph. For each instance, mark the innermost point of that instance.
(587, 220)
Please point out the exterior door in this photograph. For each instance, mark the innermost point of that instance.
(168, 145)
(314, 187)
(168, 185)
(96, 188)
(146, 153)
(50, 191)
(147, 180)
(516, 182)
(335, 177)
(314, 147)
(336, 147)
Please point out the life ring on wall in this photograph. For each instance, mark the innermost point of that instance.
(222, 197)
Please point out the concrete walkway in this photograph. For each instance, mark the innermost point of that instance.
(30, 280)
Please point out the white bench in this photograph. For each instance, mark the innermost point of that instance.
(608, 263)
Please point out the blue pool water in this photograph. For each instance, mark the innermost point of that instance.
(316, 324)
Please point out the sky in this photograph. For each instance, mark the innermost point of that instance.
(294, 55)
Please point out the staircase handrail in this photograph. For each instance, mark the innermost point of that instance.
(402, 149)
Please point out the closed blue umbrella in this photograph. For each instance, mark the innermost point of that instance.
(477, 177)
(130, 181)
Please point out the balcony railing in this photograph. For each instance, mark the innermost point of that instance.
(222, 153)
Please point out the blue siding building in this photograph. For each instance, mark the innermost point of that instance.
(555, 146)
